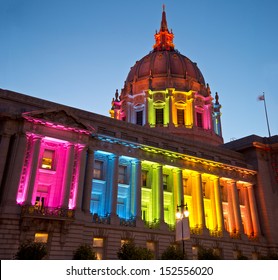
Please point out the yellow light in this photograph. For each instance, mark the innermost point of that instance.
(186, 213)
(178, 215)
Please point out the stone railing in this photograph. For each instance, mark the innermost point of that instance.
(128, 222)
(47, 212)
(153, 224)
(101, 219)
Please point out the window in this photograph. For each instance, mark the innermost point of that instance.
(159, 117)
(98, 247)
(199, 118)
(40, 202)
(47, 159)
(195, 252)
(186, 186)
(206, 190)
(180, 116)
(98, 170)
(41, 237)
(144, 178)
(165, 182)
(139, 117)
(151, 246)
(124, 241)
(224, 193)
(122, 179)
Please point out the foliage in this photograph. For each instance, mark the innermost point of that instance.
(84, 252)
(173, 253)
(207, 254)
(30, 250)
(241, 257)
(270, 256)
(129, 251)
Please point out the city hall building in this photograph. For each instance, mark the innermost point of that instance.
(70, 177)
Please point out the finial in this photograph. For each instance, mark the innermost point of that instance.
(117, 95)
(216, 98)
(164, 38)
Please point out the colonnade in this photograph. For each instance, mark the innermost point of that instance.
(207, 210)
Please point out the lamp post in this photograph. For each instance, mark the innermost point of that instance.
(182, 226)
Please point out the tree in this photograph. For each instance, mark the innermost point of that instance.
(29, 250)
(173, 253)
(84, 252)
(207, 254)
(129, 251)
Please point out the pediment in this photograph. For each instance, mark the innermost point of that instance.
(59, 118)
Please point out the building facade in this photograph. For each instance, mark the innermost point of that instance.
(70, 176)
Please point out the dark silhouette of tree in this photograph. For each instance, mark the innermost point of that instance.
(129, 251)
(207, 254)
(29, 250)
(173, 253)
(84, 252)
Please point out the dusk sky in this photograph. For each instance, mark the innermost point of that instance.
(78, 52)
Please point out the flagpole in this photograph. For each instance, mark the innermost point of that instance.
(266, 115)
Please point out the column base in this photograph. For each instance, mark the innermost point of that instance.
(139, 222)
(114, 219)
(163, 226)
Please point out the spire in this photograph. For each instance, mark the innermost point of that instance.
(163, 39)
(163, 26)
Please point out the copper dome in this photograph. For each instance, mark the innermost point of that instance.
(165, 64)
(165, 67)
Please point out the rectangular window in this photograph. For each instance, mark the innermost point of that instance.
(40, 202)
(98, 247)
(124, 241)
(122, 179)
(159, 116)
(199, 117)
(98, 170)
(165, 182)
(41, 237)
(151, 245)
(48, 159)
(186, 186)
(139, 117)
(144, 178)
(180, 116)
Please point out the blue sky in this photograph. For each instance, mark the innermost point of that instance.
(79, 52)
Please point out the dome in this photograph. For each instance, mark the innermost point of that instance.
(166, 64)
(166, 91)
(165, 67)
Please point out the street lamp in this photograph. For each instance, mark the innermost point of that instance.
(182, 227)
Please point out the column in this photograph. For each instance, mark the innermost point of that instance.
(138, 194)
(170, 108)
(89, 174)
(248, 221)
(213, 203)
(200, 201)
(80, 186)
(218, 205)
(254, 211)
(146, 109)
(178, 188)
(114, 161)
(36, 142)
(4, 147)
(160, 193)
(232, 224)
(236, 207)
(68, 175)
(15, 170)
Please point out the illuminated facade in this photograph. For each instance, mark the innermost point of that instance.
(70, 177)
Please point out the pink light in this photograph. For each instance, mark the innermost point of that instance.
(72, 200)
